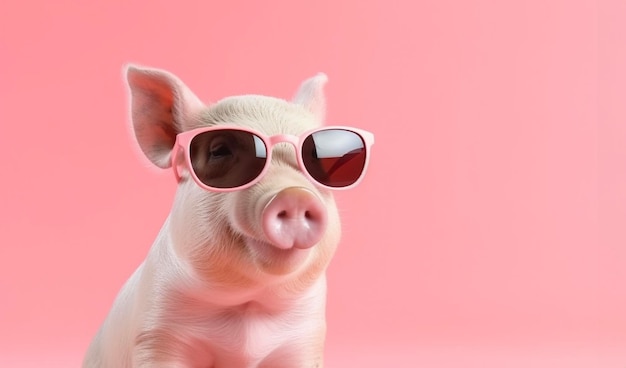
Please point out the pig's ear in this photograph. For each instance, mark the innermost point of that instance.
(160, 104)
(311, 95)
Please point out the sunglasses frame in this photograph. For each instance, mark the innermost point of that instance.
(183, 143)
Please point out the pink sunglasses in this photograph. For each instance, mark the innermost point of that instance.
(224, 158)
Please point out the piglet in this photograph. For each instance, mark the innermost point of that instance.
(236, 276)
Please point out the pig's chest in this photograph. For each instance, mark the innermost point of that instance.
(245, 336)
(250, 331)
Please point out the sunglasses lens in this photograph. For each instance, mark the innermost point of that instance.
(334, 157)
(227, 158)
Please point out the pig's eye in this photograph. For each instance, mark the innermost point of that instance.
(227, 158)
(311, 160)
(219, 151)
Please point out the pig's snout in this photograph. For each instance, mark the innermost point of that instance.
(294, 218)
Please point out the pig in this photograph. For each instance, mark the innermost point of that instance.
(234, 278)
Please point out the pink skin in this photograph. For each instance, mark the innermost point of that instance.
(294, 218)
(233, 279)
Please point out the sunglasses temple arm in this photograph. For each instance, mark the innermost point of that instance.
(174, 162)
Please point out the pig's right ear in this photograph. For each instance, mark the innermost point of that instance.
(160, 105)
(311, 95)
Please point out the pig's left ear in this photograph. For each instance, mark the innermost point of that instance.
(161, 106)
(311, 95)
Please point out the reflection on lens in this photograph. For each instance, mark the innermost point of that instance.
(227, 158)
(334, 157)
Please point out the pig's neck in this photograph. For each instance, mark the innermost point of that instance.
(254, 292)
(270, 297)
(265, 300)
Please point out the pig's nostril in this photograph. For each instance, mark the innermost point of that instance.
(284, 215)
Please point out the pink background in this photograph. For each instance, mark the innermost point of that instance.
(489, 232)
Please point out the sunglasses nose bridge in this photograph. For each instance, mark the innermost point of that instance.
(283, 138)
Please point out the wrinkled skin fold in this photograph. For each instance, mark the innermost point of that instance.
(219, 288)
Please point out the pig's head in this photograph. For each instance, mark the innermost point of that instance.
(284, 227)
